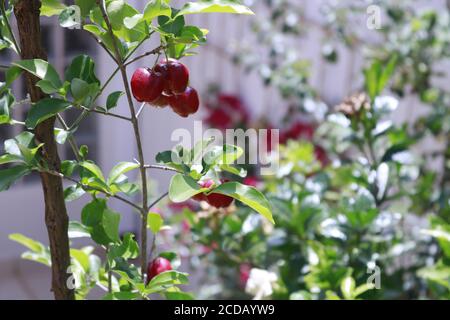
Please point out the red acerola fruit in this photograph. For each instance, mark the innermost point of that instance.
(186, 103)
(175, 74)
(214, 199)
(161, 102)
(219, 200)
(156, 267)
(203, 184)
(146, 85)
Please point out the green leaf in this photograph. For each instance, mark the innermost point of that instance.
(113, 98)
(94, 169)
(214, 6)
(241, 172)
(6, 102)
(248, 196)
(39, 253)
(166, 280)
(78, 230)
(10, 175)
(179, 296)
(82, 67)
(154, 222)
(110, 223)
(226, 154)
(79, 89)
(10, 158)
(183, 188)
(387, 73)
(31, 244)
(103, 222)
(41, 69)
(120, 169)
(348, 287)
(51, 7)
(45, 109)
(85, 6)
(156, 8)
(47, 87)
(61, 135)
(105, 38)
(73, 193)
(123, 295)
(172, 26)
(128, 249)
(91, 215)
(120, 13)
(6, 38)
(81, 258)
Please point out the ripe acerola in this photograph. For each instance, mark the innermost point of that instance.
(214, 199)
(146, 85)
(162, 101)
(156, 267)
(186, 103)
(175, 74)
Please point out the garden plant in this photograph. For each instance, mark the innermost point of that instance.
(120, 30)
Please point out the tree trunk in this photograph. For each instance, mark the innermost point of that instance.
(27, 14)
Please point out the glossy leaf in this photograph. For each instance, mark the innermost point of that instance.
(248, 196)
(214, 6)
(45, 109)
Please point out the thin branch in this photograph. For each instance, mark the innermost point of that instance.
(89, 188)
(100, 42)
(108, 114)
(154, 203)
(72, 142)
(135, 122)
(155, 166)
(140, 110)
(109, 271)
(148, 53)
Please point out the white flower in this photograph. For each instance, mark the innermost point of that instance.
(260, 283)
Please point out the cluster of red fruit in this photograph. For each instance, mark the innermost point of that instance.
(166, 84)
(214, 199)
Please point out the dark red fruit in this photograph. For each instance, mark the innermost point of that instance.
(176, 76)
(203, 184)
(214, 199)
(146, 85)
(219, 200)
(162, 101)
(186, 103)
(156, 267)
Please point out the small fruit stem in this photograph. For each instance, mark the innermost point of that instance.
(135, 123)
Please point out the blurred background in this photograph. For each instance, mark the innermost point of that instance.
(286, 67)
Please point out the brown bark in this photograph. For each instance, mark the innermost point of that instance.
(56, 219)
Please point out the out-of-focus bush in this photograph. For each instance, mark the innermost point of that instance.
(359, 212)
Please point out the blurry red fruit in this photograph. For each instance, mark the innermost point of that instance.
(251, 181)
(219, 119)
(244, 274)
(321, 155)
